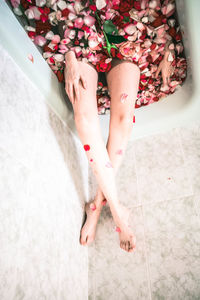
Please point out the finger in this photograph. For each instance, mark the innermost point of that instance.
(71, 93)
(164, 79)
(167, 80)
(158, 71)
(76, 88)
(67, 89)
(84, 83)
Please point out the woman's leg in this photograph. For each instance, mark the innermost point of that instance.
(120, 81)
(88, 127)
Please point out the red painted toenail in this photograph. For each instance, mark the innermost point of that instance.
(133, 119)
(117, 229)
(104, 202)
(93, 206)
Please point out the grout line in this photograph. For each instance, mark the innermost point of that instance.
(145, 252)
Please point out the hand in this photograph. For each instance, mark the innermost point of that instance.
(166, 68)
(72, 77)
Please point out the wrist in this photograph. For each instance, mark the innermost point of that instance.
(70, 55)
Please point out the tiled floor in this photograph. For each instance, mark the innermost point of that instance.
(159, 182)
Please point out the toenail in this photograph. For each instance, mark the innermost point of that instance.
(93, 206)
(117, 229)
(104, 202)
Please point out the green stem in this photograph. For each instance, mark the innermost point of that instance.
(108, 45)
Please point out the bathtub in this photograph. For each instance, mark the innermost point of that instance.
(178, 109)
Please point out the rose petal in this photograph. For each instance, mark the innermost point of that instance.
(120, 151)
(93, 206)
(123, 97)
(117, 229)
(30, 56)
(86, 147)
(109, 165)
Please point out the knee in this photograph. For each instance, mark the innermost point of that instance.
(124, 122)
(83, 119)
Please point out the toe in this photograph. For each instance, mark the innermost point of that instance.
(121, 245)
(90, 239)
(83, 239)
(127, 246)
(124, 245)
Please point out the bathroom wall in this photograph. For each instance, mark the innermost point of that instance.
(43, 186)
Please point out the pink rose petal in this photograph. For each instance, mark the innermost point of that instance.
(123, 97)
(109, 165)
(30, 56)
(120, 152)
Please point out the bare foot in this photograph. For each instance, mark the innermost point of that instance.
(126, 236)
(88, 230)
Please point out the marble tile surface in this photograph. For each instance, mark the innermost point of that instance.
(114, 274)
(190, 140)
(43, 185)
(172, 232)
(13, 196)
(161, 169)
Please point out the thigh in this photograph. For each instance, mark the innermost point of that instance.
(87, 103)
(123, 78)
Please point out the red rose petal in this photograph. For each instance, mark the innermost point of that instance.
(117, 229)
(86, 147)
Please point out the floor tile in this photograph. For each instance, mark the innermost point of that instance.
(172, 230)
(161, 169)
(114, 273)
(13, 198)
(190, 139)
